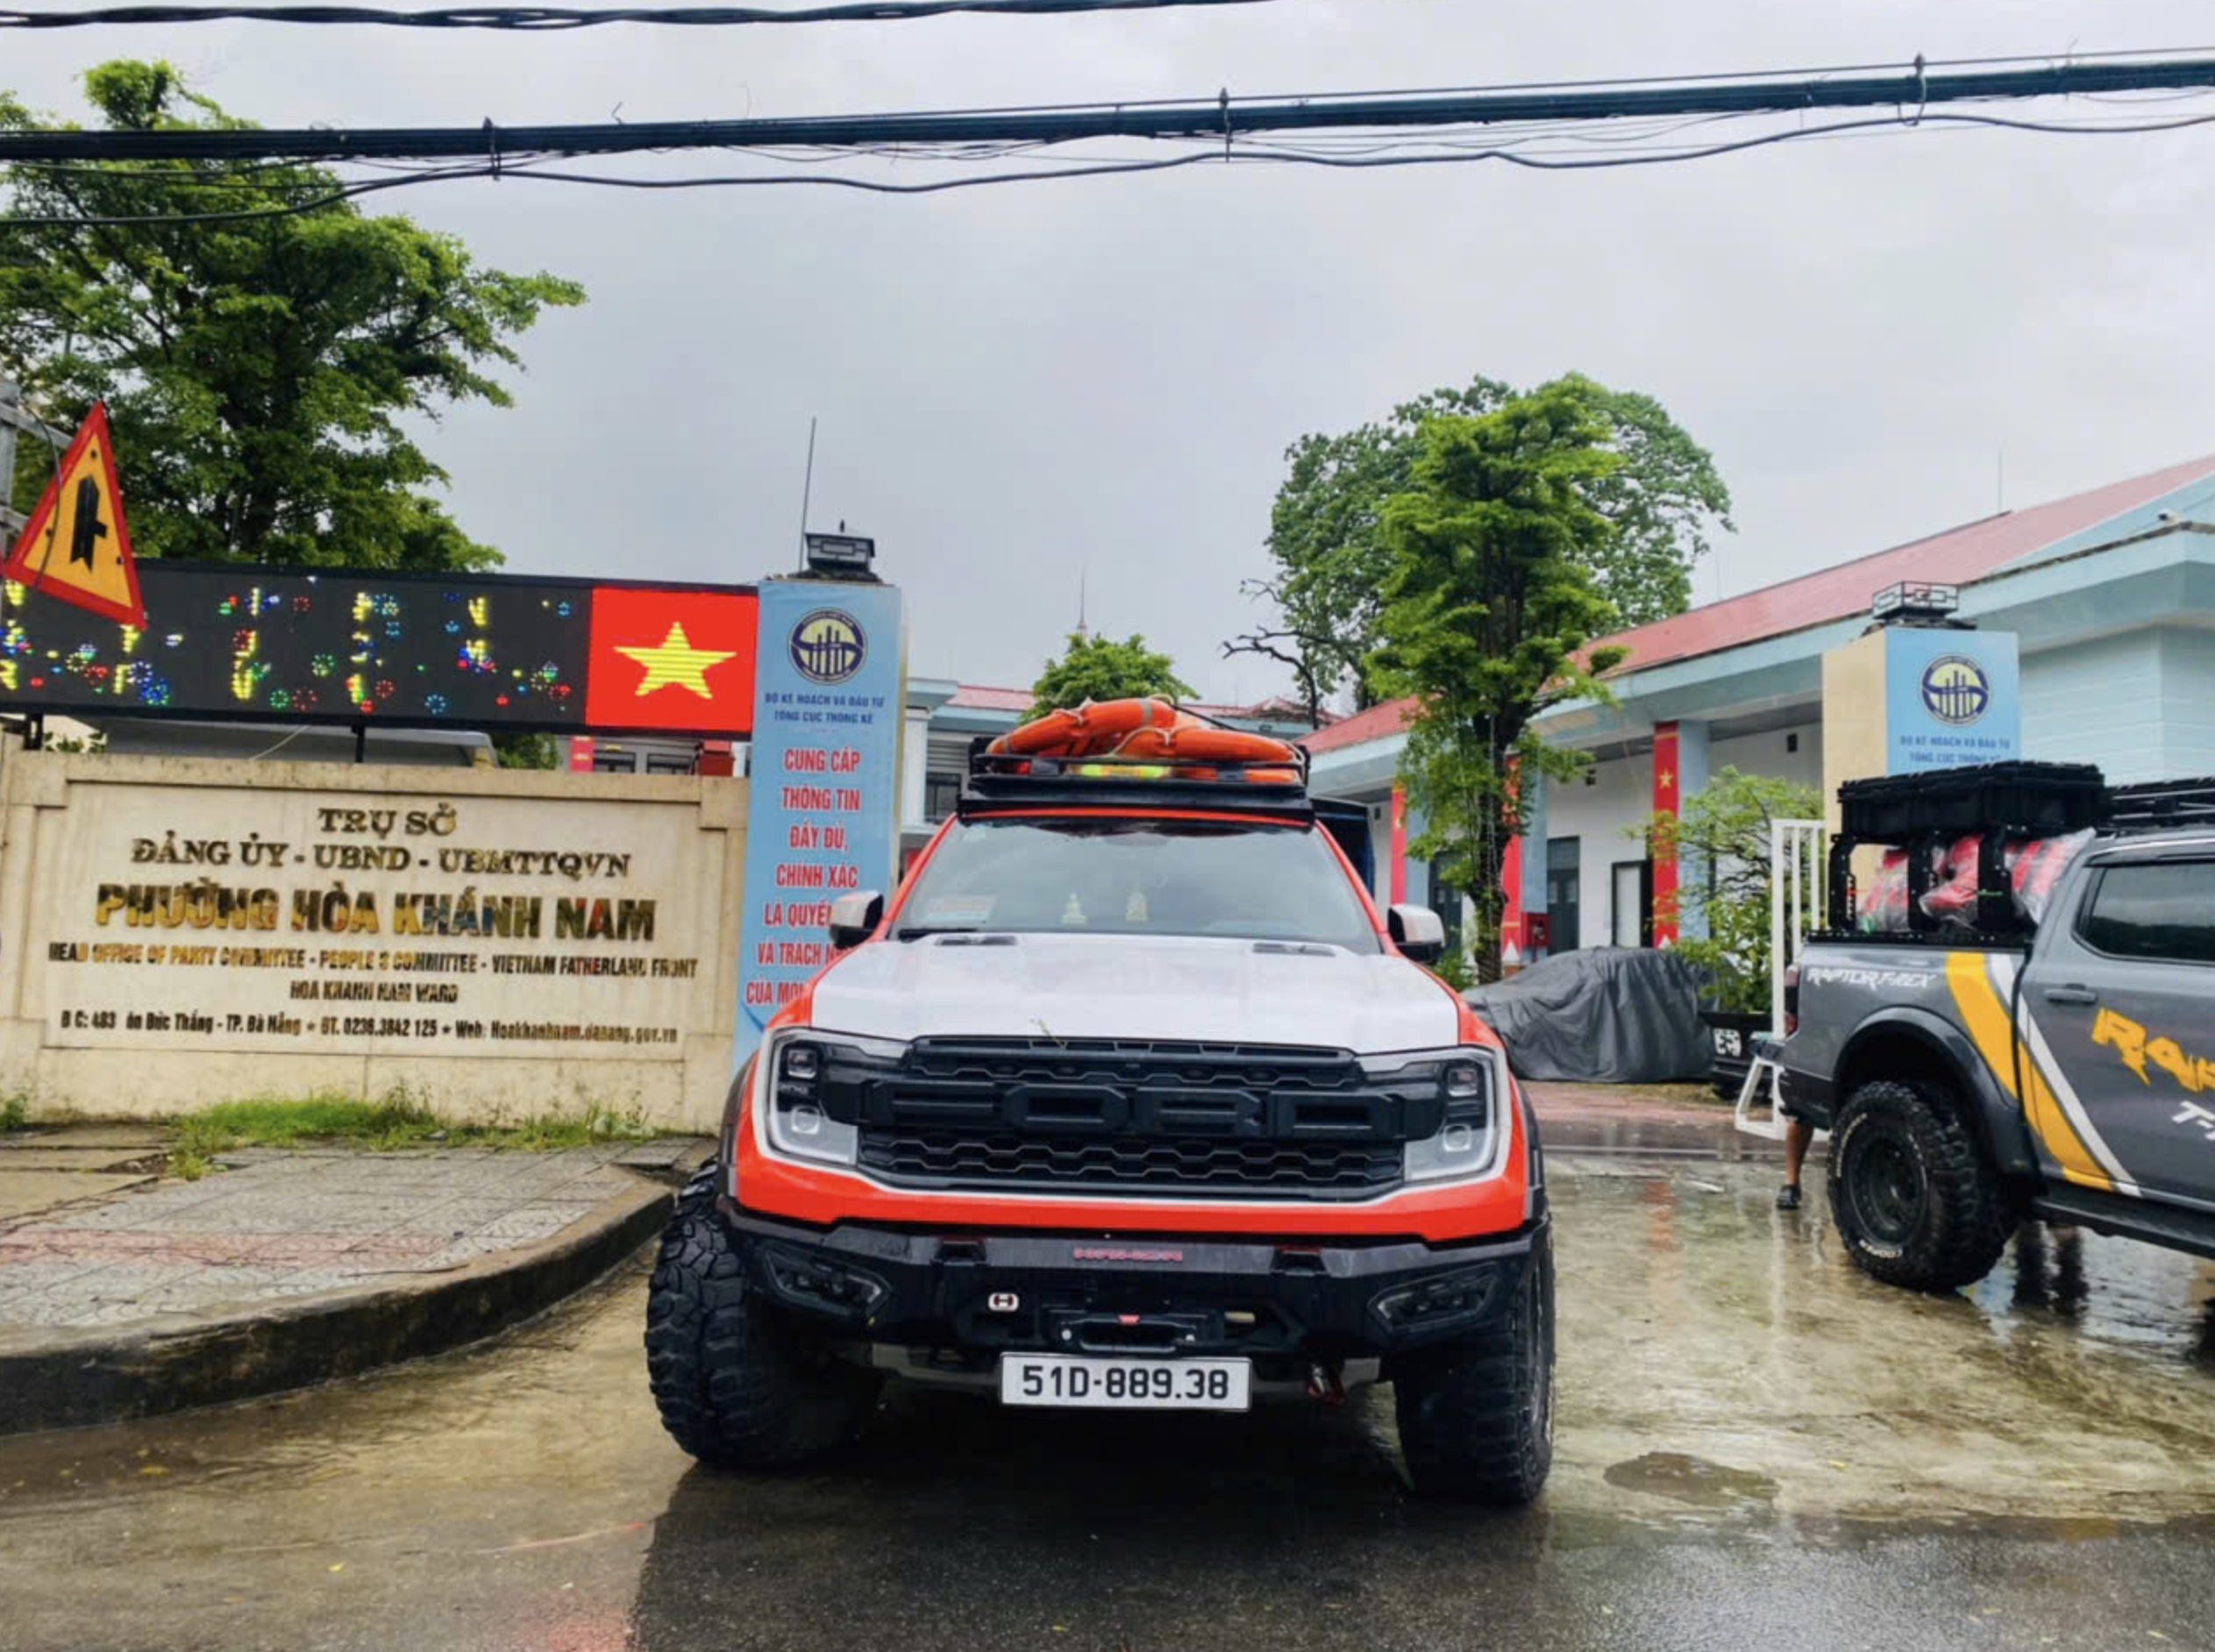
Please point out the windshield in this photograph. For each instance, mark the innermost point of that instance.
(1128, 877)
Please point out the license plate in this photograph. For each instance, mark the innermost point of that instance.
(1131, 1384)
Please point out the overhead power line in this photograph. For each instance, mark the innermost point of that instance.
(542, 172)
(1222, 118)
(544, 19)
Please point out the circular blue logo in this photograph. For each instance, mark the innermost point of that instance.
(1955, 690)
(827, 646)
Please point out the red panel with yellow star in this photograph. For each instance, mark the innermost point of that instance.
(678, 660)
(1665, 802)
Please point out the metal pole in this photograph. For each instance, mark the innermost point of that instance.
(11, 398)
(807, 491)
(1776, 929)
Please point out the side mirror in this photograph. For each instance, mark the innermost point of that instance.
(854, 918)
(1417, 932)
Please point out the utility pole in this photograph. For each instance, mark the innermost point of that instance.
(12, 419)
(11, 524)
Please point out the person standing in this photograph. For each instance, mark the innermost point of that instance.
(1796, 1136)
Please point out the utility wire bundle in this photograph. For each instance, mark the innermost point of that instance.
(1558, 126)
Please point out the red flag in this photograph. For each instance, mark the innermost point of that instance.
(676, 660)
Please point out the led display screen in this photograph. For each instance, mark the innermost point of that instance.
(346, 646)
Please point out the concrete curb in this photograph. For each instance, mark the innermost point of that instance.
(74, 1378)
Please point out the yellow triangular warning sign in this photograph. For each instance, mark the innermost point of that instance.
(75, 547)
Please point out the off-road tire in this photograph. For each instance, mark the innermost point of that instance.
(1914, 1200)
(1476, 1418)
(737, 1387)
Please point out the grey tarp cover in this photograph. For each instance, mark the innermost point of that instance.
(1608, 1015)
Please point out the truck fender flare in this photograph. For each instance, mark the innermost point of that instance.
(1991, 1112)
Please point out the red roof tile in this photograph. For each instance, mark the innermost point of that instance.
(972, 698)
(1373, 725)
(1955, 557)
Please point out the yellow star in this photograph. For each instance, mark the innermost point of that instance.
(1668, 779)
(676, 664)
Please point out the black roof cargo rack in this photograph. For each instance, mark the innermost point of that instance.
(1001, 781)
(1996, 802)
(2161, 805)
(2026, 799)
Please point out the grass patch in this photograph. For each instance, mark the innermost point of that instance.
(400, 1120)
(15, 1113)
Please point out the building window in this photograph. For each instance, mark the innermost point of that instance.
(940, 793)
(1631, 904)
(1564, 892)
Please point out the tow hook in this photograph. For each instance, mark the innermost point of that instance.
(1323, 1383)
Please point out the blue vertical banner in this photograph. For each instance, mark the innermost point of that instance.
(1951, 698)
(824, 796)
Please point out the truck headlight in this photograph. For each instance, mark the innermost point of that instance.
(1466, 1143)
(797, 1105)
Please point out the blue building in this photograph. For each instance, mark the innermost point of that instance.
(2111, 594)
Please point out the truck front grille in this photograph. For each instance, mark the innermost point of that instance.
(1110, 1165)
(1150, 1117)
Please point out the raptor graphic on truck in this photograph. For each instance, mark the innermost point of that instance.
(1128, 1099)
(2034, 1039)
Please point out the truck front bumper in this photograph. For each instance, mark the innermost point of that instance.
(963, 1299)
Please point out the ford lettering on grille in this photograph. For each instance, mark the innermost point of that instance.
(1107, 1115)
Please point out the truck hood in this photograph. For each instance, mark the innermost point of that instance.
(1121, 986)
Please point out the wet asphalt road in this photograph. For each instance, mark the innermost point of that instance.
(1758, 1448)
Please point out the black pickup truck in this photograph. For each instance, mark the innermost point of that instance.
(1993, 1058)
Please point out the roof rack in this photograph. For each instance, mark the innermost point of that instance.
(2160, 805)
(1001, 780)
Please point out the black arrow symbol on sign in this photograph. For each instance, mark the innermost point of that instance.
(89, 528)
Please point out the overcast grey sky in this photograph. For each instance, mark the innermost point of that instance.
(1017, 382)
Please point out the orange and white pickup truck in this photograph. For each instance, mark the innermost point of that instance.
(1128, 1099)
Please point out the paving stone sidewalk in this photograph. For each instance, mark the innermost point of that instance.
(273, 1225)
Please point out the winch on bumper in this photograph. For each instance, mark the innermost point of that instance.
(958, 1300)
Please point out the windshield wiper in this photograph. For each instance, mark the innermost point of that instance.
(921, 930)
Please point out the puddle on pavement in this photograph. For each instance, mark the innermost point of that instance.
(1692, 1480)
(1701, 1326)
(1723, 1369)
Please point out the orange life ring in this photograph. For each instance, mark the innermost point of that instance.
(1204, 742)
(1153, 730)
(1090, 730)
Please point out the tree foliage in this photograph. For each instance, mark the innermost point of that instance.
(1485, 610)
(262, 375)
(1101, 668)
(1326, 533)
(1721, 845)
(526, 752)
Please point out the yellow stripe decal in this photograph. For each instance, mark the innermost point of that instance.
(1993, 1033)
(1983, 1014)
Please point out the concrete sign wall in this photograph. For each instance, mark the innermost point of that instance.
(176, 932)
(828, 719)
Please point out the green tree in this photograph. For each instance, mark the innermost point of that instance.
(1721, 846)
(1101, 668)
(262, 374)
(1326, 535)
(1486, 609)
(526, 752)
